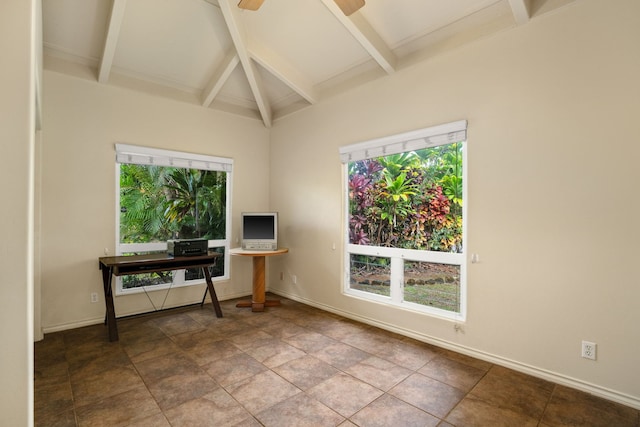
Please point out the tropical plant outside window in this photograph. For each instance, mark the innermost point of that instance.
(405, 228)
(157, 203)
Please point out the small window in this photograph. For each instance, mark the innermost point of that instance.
(405, 218)
(164, 195)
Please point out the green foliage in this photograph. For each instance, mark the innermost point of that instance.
(396, 192)
(159, 203)
(411, 200)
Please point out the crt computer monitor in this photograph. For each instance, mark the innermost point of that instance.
(259, 231)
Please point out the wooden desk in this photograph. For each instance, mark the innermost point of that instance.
(139, 264)
(258, 300)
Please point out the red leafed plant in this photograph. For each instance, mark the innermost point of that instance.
(410, 200)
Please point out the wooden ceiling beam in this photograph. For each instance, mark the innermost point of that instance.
(219, 78)
(230, 14)
(283, 70)
(111, 39)
(364, 33)
(521, 10)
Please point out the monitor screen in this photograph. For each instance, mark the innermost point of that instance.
(258, 227)
(260, 231)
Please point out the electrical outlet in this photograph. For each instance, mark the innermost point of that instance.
(294, 279)
(589, 350)
(94, 297)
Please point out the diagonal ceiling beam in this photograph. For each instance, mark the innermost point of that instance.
(521, 10)
(230, 14)
(111, 40)
(219, 78)
(364, 33)
(284, 71)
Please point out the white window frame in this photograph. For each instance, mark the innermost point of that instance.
(395, 144)
(133, 154)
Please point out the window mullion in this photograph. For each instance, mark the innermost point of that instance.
(397, 279)
(178, 277)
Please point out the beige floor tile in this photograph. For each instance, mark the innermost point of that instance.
(142, 350)
(177, 324)
(262, 391)
(428, 394)
(344, 394)
(513, 390)
(306, 372)
(292, 365)
(299, 410)
(410, 355)
(217, 408)
(368, 340)
(158, 420)
(340, 355)
(230, 370)
(309, 341)
(379, 373)
(52, 396)
(166, 366)
(66, 418)
(177, 389)
(251, 339)
(131, 406)
(452, 372)
(391, 411)
(275, 353)
(473, 412)
(572, 407)
(110, 382)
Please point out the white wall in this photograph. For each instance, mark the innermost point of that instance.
(552, 208)
(17, 131)
(83, 120)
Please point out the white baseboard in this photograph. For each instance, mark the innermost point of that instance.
(72, 325)
(596, 390)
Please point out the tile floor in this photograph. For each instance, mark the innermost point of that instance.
(292, 365)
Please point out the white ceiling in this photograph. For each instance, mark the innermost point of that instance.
(268, 63)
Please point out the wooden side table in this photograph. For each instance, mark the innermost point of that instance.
(258, 300)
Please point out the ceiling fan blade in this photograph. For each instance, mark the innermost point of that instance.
(250, 4)
(349, 6)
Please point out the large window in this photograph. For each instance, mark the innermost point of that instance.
(162, 195)
(405, 220)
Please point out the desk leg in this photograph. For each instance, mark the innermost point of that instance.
(107, 278)
(212, 292)
(258, 301)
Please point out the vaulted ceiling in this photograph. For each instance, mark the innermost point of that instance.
(268, 63)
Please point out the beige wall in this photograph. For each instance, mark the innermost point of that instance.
(17, 131)
(83, 120)
(552, 108)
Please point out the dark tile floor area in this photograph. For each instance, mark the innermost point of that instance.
(292, 365)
